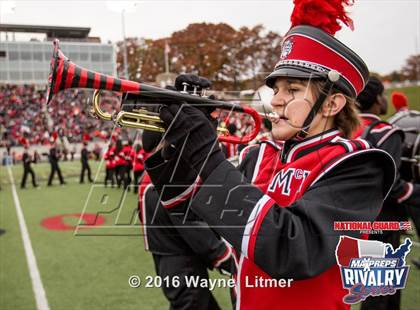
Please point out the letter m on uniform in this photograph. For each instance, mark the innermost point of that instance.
(282, 180)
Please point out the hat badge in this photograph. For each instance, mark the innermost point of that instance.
(286, 49)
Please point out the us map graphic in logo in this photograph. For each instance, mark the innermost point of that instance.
(371, 268)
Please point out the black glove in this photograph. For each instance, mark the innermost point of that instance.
(193, 135)
(187, 82)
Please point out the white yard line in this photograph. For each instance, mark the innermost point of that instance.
(38, 288)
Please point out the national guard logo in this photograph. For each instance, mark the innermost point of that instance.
(287, 48)
(371, 268)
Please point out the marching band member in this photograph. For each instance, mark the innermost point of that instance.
(84, 159)
(399, 101)
(383, 135)
(109, 157)
(119, 163)
(27, 160)
(409, 121)
(278, 209)
(54, 157)
(125, 153)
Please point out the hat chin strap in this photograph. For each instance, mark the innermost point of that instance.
(333, 76)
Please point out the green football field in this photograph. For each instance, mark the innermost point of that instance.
(413, 96)
(88, 268)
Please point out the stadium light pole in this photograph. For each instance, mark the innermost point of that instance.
(125, 60)
(7, 7)
(123, 7)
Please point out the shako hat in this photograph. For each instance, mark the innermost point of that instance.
(309, 49)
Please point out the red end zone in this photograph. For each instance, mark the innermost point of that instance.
(57, 222)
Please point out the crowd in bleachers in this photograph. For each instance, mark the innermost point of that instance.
(26, 119)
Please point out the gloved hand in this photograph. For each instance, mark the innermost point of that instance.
(187, 82)
(193, 135)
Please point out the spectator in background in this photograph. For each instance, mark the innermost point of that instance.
(84, 158)
(24, 115)
(54, 157)
(27, 160)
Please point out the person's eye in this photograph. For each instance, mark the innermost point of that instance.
(292, 90)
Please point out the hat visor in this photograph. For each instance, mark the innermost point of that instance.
(293, 72)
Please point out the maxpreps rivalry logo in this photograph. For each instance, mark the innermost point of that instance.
(371, 268)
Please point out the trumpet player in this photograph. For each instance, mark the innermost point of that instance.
(277, 210)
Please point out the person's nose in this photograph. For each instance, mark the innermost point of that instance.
(278, 100)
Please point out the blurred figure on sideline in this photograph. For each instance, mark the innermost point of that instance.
(54, 157)
(84, 158)
(27, 160)
(109, 157)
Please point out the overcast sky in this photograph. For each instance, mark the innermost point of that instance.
(386, 32)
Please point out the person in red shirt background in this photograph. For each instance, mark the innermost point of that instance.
(109, 157)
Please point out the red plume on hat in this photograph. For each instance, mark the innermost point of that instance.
(322, 14)
(399, 100)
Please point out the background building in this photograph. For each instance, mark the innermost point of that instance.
(28, 62)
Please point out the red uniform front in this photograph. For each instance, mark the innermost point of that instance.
(282, 225)
(125, 155)
(308, 181)
(138, 160)
(284, 183)
(109, 157)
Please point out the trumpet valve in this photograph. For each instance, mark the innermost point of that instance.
(184, 91)
(195, 91)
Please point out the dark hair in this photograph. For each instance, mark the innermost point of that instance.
(369, 95)
(347, 120)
